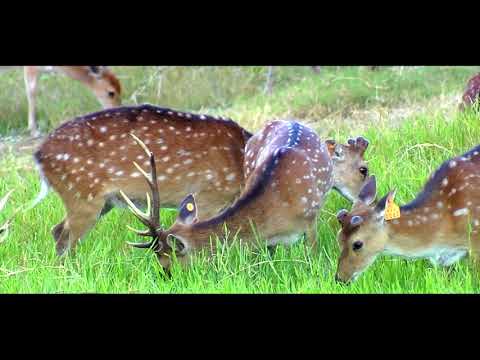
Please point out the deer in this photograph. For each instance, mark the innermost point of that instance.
(441, 224)
(471, 93)
(99, 79)
(288, 172)
(89, 159)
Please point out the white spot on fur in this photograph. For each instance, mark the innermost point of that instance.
(460, 212)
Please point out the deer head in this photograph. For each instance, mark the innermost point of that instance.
(164, 242)
(105, 86)
(363, 235)
(350, 170)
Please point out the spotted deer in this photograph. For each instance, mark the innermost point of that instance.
(99, 79)
(288, 170)
(441, 224)
(89, 159)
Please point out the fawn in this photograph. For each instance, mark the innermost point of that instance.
(89, 159)
(288, 173)
(99, 79)
(435, 225)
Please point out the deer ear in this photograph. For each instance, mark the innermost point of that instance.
(330, 146)
(97, 71)
(368, 193)
(188, 211)
(335, 150)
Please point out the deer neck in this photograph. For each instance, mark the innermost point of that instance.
(418, 232)
(235, 222)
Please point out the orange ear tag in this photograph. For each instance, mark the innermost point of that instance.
(392, 210)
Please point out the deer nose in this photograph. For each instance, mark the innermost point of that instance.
(339, 280)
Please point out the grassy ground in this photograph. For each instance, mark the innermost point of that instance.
(408, 114)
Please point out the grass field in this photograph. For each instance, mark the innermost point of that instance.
(408, 114)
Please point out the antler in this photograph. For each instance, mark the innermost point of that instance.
(359, 144)
(150, 218)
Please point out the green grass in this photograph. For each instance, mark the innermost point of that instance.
(401, 156)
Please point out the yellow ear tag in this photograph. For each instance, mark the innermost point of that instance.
(392, 210)
(190, 207)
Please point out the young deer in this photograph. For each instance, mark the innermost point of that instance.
(89, 159)
(99, 79)
(436, 225)
(288, 173)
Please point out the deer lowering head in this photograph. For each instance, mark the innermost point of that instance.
(105, 86)
(88, 160)
(441, 224)
(289, 175)
(350, 170)
(99, 79)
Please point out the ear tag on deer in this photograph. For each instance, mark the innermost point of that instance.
(392, 210)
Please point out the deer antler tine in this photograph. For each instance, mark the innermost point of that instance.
(137, 212)
(145, 175)
(142, 144)
(146, 245)
(139, 232)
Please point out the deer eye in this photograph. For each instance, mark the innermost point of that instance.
(363, 170)
(111, 94)
(357, 245)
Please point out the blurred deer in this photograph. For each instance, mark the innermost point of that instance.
(89, 159)
(288, 171)
(441, 224)
(99, 79)
(472, 92)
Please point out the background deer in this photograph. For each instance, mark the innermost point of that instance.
(472, 92)
(89, 159)
(436, 225)
(288, 172)
(99, 79)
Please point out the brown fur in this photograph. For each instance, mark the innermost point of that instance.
(288, 173)
(88, 160)
(434, 225)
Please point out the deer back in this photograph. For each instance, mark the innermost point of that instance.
(91, 157)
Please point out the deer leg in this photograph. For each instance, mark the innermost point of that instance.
(78, 222)
(31, 78)
(311, 235)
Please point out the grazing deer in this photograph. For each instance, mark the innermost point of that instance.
(436, 225)
(472, 92)
(288, 173)
(99, 79)
(89, 159)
